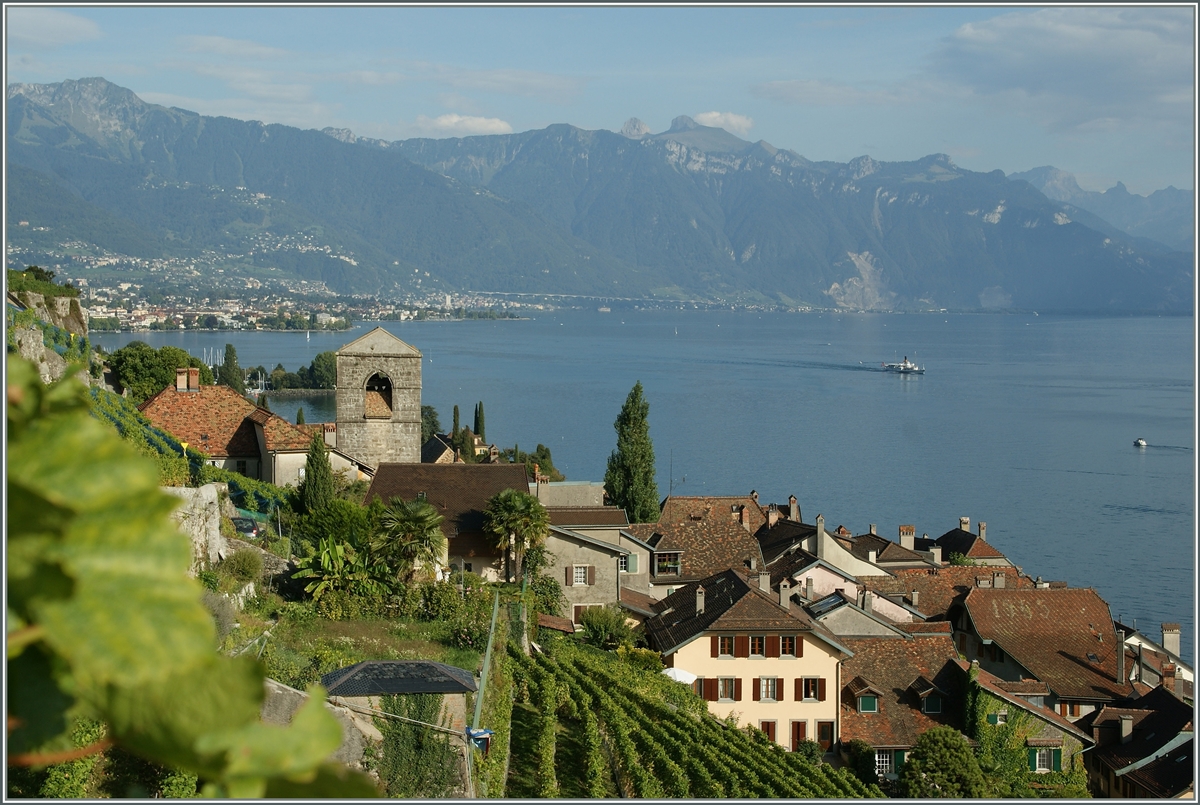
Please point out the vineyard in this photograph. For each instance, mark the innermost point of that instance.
(638, 734)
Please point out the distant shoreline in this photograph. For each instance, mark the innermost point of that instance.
(298, 392)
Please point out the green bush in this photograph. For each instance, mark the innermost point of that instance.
(861, 757)
(644, 658)
(244, 565)
(605, 627)
(810, 752)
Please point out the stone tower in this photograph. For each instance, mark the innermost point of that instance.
(379, 400)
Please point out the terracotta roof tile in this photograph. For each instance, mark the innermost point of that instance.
(970, 545)
(1000, 688)
(1158, 717)
(556, 623)
(377, 405)
(586, 515)
(460, 492)
(1064, 637)
(1170, 776)
(939, 588)
(892, 665)
(706, 532)
(638, 602)
(214, 420)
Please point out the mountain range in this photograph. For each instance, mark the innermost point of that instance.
(690, 213)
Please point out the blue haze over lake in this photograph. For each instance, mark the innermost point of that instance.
(1024, 422)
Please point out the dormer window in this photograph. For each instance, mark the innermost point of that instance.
(666, 564)
(931, 704)
(868, 704)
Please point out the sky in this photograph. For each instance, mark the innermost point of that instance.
(1104, 92)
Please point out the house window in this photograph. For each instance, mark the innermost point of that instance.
(883, 761)
(998, 718)
(1044, 761)
(758, 645)
(932, 704)
(241, 466)
(725, 688)
(581, 575)
(811, 688)
(787, 646)
(623, 564)
(666, 564)
(868, 704)
(769, 689)
(1070, 709)
(726, 646)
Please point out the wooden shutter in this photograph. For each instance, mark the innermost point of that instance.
(578, 613)
(799, 733)
(716, 647)
(897, 759)
(710, 690)
(799, 689)
(570, 582)
(631, 565)
(992, 718)
(1057, 759)
(821, 689)
(756, 692)
(1032, 759)
(741, 646)
(737, 689)
(772, 645)
(799, 645)
(591, 575)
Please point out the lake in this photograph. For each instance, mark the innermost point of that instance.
(1025, 422)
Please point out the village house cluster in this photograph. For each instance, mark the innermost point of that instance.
(801, 629)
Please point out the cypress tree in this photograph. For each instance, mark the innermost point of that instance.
(629, 479)
(455, 431)
(230, 374)
(479, 421)
(300, 416)
(263, 402)
(316, 490)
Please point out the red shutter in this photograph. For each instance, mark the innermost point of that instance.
(741, 646)
(799, 730)
(772, 645)
(716, 646)
(799, 645)
(591, 575)
(799, 689)
(821, 689)
(756, 693)
(570, 577)
(737, 689)
(710, 690)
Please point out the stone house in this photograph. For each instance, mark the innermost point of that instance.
(589, 569)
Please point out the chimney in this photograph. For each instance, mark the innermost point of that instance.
(868, 601)
(1121, 677)
(808, 588)
(998, 580)
(1126, 729)
(181, 379)
(744, 517)
(916, 598)
(935, 553)
(1170, 638)
(824, 543)
(872, 556)
(785, 594)
(772, 516)
(872, 530)
(764, 582)
(983, 531)
(699, 600)
(754, 496)
(964, 523)
(1039, 584)
(908, 537)
(793, 509)
(1141, 666)
(753, 563)
(193, 378)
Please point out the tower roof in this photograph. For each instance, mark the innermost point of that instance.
(379, 342)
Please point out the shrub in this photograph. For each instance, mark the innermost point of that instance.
(941, 765)
(862, 760)
(244, 565)
(605, 627)
(810, 752)
(210, 579)
(644, 658)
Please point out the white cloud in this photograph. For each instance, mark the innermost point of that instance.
(459, 125)
(237, 48)
(1077, 68)
(738, 124)
(48, 27)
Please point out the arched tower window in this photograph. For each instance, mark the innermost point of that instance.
(377, 403)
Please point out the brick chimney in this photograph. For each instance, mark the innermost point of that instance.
(793, 509)
(983, 531)
(964, 523)
(193, 378)
(785, 594)
(764, 582)
(181, 378)
(908, 537)
(808, 588)
(1126, 729)
(699, 600)
(1170, 637)
(1121, 676)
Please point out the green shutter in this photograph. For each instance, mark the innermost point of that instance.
(992, 718)
(1058, 760)
(1032, 759)
(898, 760)
(631, 565)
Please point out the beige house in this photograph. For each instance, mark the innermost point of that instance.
(756, 656)
(589, 569)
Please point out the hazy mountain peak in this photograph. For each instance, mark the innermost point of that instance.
(683, 123)
(634, 129)
(1055, 184)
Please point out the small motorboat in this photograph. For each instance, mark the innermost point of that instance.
(1139, 442)
(905, 367)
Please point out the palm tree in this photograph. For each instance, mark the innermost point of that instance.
(409, 537)
(518, 521)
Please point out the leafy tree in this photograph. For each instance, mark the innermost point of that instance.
(605, 627)
(145, 371)
(104, 623)
(409, 537)
(958, 559)
(479, 425)
(316, 490)
(323, 371)
(518, 522)
(429, 423)
(629, 480)
(941, 765)
(300, 415)
(230, 374)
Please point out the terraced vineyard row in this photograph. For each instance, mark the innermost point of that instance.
(655, 750)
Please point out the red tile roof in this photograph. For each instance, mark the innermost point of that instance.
(1158, 717)
(586, 515)
(939, 588)
(891, 666)
(556, 623)
(460, 492)
(706, 532)
(638, 602)
(215, 420)
(1064, 637)
(1013, 693)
